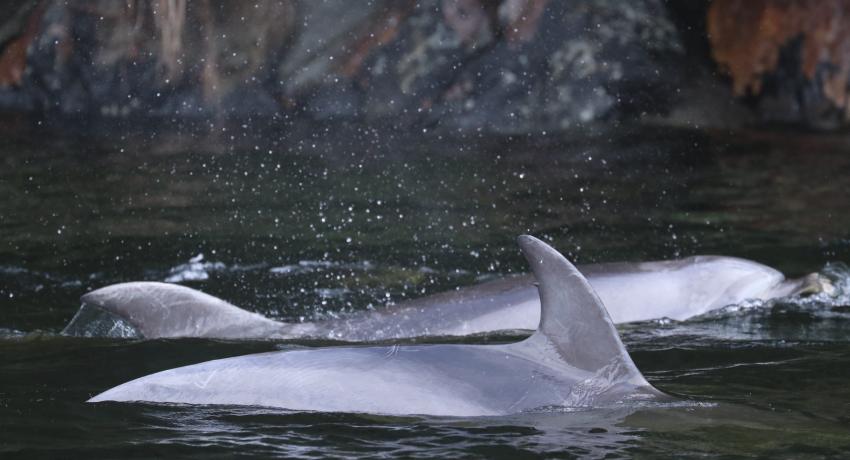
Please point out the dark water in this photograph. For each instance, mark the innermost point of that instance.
(310, 221)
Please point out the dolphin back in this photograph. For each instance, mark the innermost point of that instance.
(574, 360)
(163, 310)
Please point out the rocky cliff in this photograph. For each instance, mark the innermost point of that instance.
(504, 65)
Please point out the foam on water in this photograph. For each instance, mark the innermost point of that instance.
(195, 270)
(10, 333)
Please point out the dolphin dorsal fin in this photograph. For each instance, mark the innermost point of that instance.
(573, 318)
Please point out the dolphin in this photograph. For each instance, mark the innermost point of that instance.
(575, 359)
(676, 289)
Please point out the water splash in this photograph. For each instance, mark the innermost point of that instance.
(818, 317)
(195, 270)
(91, 321)
(835, 297)
(312, 266)
(6, 333)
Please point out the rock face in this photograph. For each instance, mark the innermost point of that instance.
(512, 64)
(507, 65)
(791, 58)
(102, 57)
(524, 64)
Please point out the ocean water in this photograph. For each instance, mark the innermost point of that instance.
(308, 221)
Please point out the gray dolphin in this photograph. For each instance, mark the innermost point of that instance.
(575, 359)
(677, 289)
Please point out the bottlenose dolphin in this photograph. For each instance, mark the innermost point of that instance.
(676, 289)
(575, 359)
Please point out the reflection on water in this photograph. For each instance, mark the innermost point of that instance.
(301, 222)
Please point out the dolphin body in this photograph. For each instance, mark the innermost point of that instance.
(575, 359)
(676, 289)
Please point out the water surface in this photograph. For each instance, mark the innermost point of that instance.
(306, 221)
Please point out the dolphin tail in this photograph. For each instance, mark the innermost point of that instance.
(160, 310)
(574, 324)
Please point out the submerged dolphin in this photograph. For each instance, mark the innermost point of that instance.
(677, 289)
(575, 359)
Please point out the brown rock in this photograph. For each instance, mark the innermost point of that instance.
(748, 39)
